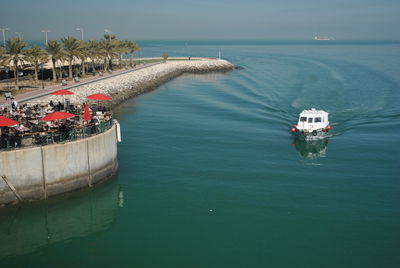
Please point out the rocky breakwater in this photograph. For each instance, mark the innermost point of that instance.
(131, 84)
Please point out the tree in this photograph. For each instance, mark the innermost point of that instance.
(55, 51)
(130, 47)
(165, 57)
(72, 48)
(36, 55)
(2, 52)
(108, 48)
(13, 53)
(94, 52)
(120, 49)
(83, 54)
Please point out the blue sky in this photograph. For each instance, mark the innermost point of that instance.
(205, 19)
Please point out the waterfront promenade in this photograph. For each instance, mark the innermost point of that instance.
(126, 83)
(25, 97)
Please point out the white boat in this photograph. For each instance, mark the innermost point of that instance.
(323, 38)
(313, 124)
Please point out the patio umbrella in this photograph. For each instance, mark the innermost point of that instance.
(63, 92)
(86, 114)
(6, 122)
(99, 97)
(57, 116)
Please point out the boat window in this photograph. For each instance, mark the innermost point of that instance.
(310, 120)
(303, 119)
(317, 120)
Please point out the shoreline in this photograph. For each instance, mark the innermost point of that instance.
(44, 171)
(128, 85)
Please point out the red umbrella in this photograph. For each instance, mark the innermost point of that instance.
(6, 122)
(63, 92)
(99, 97)
(57, 116)
(86, 114)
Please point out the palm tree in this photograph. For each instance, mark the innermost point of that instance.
(2, 56)
(36, 55)
(84, 52)
(56, 52)
(131, 48)
(2, 52)
(108, 48)
(72, 49)
(13, 53)
(120, 49)
(123, 47)
(93, 48)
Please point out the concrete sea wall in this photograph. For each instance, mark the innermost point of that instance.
(40, 172)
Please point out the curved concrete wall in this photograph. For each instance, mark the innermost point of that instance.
(39, 172)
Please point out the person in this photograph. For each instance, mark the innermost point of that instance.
(96, 120)
(28, 112)
(51, 103)
(60, 106)
(14, 104)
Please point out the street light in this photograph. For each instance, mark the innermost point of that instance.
(8, 76)
(46, 31)
(109, 33)
(80, 29)
(41, 68)
(4, 35)
(19, 34)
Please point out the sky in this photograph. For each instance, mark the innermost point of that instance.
(204, 19)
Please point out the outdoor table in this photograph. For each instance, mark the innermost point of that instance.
(26, 139)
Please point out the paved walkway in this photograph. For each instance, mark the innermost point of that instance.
(21, 98)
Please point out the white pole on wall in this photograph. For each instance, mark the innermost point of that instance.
(119, 139)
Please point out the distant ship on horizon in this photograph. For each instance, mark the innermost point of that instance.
(323, 38)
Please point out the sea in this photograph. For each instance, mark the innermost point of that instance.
(210, 175)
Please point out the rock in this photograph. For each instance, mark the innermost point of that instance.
(131, 84)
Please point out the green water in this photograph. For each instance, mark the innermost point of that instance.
(211, 177)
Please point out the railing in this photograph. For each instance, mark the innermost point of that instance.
(53, 137)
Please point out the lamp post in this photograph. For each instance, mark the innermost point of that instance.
(19, 34)
(46, 31)
(42, 70)
(4, 35)
(8, 76)
(80, 29)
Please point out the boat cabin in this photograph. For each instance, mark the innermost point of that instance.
(313, 119)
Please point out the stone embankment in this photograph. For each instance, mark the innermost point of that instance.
(131, 84)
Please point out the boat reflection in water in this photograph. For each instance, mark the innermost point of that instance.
(311, 149)
(25, 229)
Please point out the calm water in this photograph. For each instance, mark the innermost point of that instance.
(211, 177)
